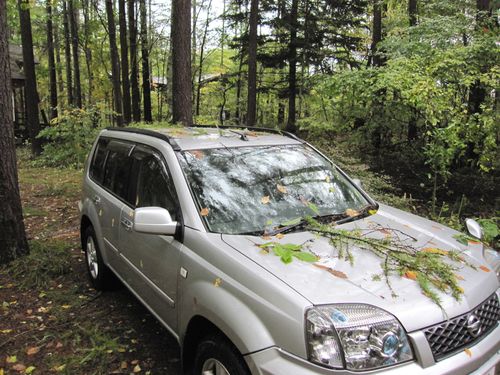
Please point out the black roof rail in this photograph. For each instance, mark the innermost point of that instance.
(171, 141)
(176, 147)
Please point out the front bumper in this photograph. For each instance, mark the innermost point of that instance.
(481, 358)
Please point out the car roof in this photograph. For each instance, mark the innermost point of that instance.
(206, 137)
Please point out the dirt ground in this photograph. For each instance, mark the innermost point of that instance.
(51, 320)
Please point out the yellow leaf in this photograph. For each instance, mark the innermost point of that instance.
(434, 250)
(266, 237)
(468, 352)
(11, 359)
(372, 212)
(5, 331)
(484, 268)
(109, 351)
(460, 289)
(217, 282)
(29, 370)
(137, 369)
(327, 179)
(2, 372)
(279, 236)
(265, 199)
(66, 306)
(351, 213)
(59, 368)
(412, 275)
(123, 365)
(281, 189)
(204, 211)
(121, 350)
(459, 277)
(33, 350)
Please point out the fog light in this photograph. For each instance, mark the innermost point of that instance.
(390, 344)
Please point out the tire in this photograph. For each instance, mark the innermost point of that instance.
(101, 277)
(215, 355)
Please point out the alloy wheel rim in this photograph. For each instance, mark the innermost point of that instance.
(213, 367)
(92, 258)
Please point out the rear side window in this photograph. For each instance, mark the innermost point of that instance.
(117, 168)
(98, 160)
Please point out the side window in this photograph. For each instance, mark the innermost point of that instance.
(98, 160)
(117, 169)
(154, 186)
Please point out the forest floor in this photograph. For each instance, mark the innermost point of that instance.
(51, 320)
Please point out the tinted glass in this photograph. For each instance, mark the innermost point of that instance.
(154, 187)
(117, 170)
(249, 189)
(98, 160)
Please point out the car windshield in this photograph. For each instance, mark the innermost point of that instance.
(256, 189)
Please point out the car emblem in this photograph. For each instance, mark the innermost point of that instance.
(474, 326)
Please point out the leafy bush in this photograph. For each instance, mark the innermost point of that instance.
(69, 137)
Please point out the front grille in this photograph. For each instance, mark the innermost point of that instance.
(449, 337)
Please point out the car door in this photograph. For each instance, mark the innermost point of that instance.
(153, 259)
(111, 171)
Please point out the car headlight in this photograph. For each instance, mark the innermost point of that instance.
(355, 336)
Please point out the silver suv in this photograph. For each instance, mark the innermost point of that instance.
(261, 256)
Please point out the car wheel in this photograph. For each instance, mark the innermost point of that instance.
(100, 276)
(215, 355)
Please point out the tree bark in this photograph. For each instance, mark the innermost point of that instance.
(127, 111)
(13, 241)
(412, 12)
(88, 50)
(146, 83)
(134, 70)
(376, 32)
(76, 54)
(57, 43)
(51, 63)
(30, 88)
(181, 62)
(292, 66)
(67, 54)
(412, 124)
(252, 63)
(115, 64)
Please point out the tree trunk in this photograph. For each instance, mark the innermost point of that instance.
(376, 32)
(76, 55)
(127, 115)
(202, 57)
(57, 43)
(115, 64)
(181, 62)
(13, 241)
(412, 124)
(292, 66)
(412, 12)
(67, 54)
(134, 70)
(32, 119)
(88, 50)
(51, 62)
(252, 63)
(146, 84)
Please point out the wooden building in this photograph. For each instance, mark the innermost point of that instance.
(18, 103)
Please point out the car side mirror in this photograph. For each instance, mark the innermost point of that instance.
(474, 228)
(154, 220)
(358, 183)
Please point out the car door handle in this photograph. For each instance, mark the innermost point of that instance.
(127, 224)
(96, 200)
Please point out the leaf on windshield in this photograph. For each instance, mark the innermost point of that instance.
(291, 222)
(351, 213)
(327, 179)
(198, 154)
(331, 190)
(313, 208)
(372, 212)
(281, 189)
(265, 199)
(204, 211)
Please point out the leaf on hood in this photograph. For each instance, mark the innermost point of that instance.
(337, 273)
(279, 236)
(434, 250)
(351, 213)
(468, 352)
(372, 212)
(281, 189)
(412, 275)
(484, 268)
(204, 211)
(265, 199)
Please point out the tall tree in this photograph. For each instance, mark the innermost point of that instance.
(134, 70)
(252, 64)
(73, 18)
(51, 61)
(146, 80)
(412, 17)
(202, 58)
(292, 67)
(87, 48)
(115, 64)
(181, 62)
(127, 115)
(30, 87)
(67, 55)
(13, 241)
(376, 32)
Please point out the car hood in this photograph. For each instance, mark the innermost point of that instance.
(355, 284)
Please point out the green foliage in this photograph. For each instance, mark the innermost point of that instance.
(287, 252)
(69, 138)
(46, 261)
